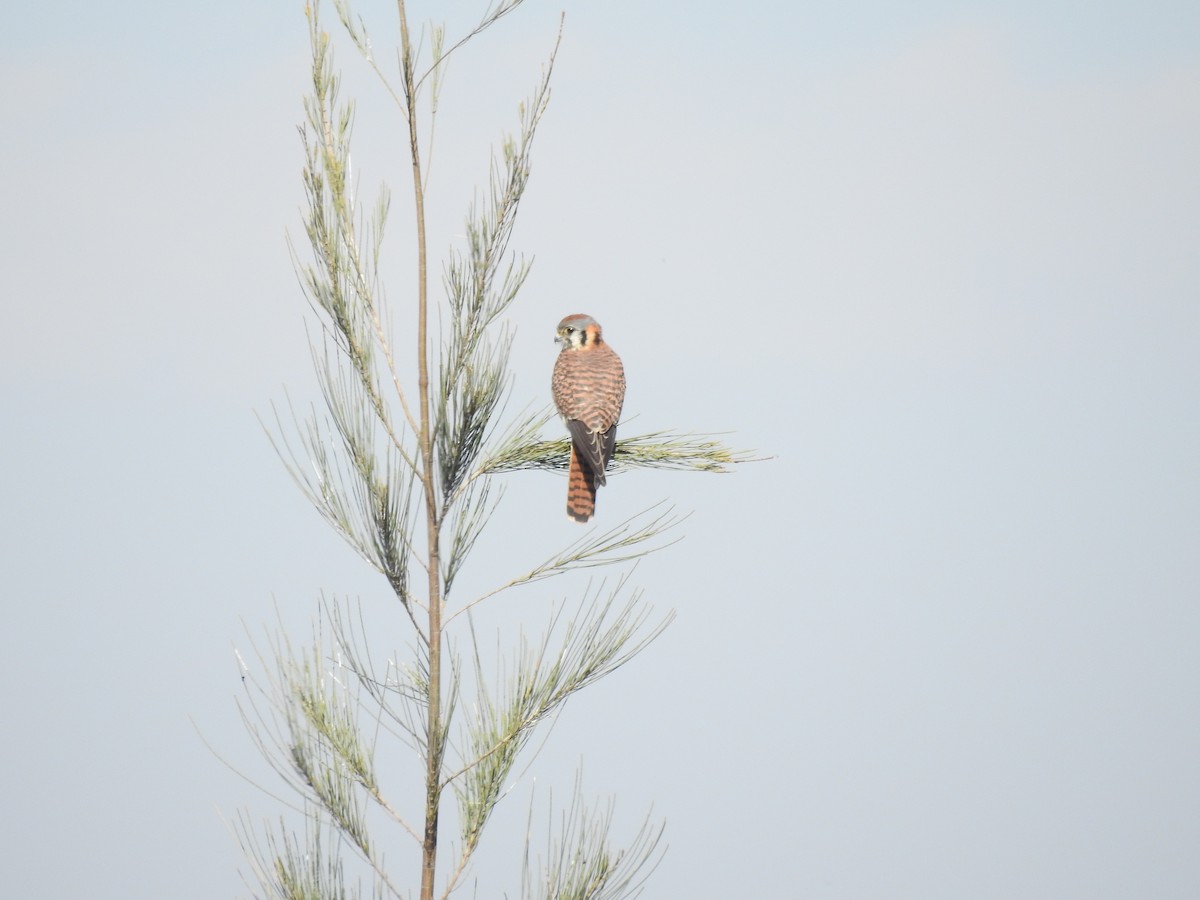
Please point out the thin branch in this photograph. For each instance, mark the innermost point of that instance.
(617, 545)
(686, 451)
(490, 18)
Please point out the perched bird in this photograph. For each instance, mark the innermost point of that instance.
(589, 388)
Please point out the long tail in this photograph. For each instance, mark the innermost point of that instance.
(581, 489)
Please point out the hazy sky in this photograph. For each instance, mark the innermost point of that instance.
(941, 260)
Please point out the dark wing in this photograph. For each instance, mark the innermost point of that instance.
(594, 448)
(609, 443)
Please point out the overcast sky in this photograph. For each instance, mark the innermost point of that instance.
(940, 260)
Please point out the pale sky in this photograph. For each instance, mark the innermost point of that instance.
(940, 260)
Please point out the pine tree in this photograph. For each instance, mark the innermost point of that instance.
(407, 476)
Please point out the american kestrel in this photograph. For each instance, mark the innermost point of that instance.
(589, 388)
